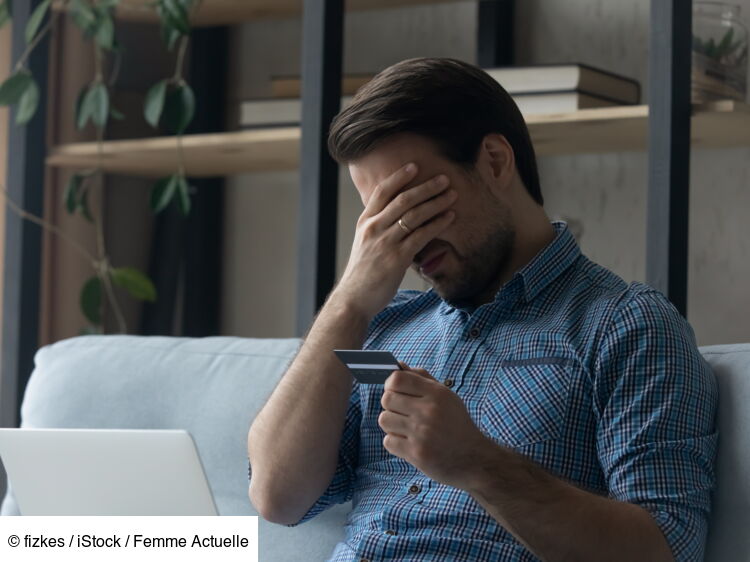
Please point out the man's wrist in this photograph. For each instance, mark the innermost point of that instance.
(487, 467)
(347, 307)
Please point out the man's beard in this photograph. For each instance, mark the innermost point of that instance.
(479, 272)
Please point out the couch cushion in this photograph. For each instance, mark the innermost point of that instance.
(212, 387)
(728, 539)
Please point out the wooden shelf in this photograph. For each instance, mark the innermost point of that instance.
(714, 125)
(612, 129)
(228, 12)
(217, 154)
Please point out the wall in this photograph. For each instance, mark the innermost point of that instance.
(605, 193)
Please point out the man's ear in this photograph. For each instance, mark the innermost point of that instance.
(496, 160)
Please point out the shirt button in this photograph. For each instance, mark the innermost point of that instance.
(390, 532)
(474, 333)
(414, 489)
(448, 383)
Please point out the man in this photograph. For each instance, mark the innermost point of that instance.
(545, 408)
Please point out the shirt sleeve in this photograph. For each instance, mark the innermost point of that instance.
(656, 399)
(340, 488)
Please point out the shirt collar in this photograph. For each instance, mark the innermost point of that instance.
(552, 261)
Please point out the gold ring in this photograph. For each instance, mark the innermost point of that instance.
(403, 226)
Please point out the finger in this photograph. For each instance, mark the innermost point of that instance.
(423, 373)
(415, 243)
(407, 382)
(404, 366)
(387, 189)
(391, 422)
(398, 402)
(396, 445)
(407, 200)
(417, 216)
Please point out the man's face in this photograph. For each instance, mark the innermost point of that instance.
(465, 262)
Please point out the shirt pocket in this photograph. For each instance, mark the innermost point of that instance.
(527, 401)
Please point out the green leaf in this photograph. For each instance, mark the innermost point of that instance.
(154, 105)
(105, 32)
(84, 107)
(94, 106)
(134, 282)
(711, 48)
(79, 105)
(91, 300)
(163, 192)
(175, 15)
(4, 12)
(170, 36)
(179, 109)
(83, 205)
(100, 112)
(83, 16)
(90, 331)
(183, 193)
(35, 20)
(15, 87)
(70, 195)
(28, 103)
(116, 114)
(725, 43)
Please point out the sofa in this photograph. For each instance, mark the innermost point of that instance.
(213, 387)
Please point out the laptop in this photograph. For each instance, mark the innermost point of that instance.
(105, 472)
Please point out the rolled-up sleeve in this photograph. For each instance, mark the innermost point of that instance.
(656, 403)
(340, 488)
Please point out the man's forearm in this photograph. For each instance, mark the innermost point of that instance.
(293, 442)
(558, 521)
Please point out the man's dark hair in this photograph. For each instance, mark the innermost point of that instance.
(452, 103)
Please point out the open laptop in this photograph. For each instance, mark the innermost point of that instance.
(105, 472)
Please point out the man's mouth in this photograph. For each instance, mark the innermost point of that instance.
(431, 263)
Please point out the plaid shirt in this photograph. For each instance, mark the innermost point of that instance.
(598, 381)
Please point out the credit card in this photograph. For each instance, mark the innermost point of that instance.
(368, 366)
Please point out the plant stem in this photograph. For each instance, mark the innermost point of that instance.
(99, 77)
(47, 225)
(104, 272)
(107, 281)
(39, 36)
(180, 156)
(180, 66)
(177, 78)
(115, 70)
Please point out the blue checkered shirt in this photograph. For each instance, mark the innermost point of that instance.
(598, 381)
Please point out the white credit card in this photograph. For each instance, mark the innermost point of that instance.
(368, 366)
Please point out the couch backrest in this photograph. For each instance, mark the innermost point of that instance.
(212, 387)
(729, 536)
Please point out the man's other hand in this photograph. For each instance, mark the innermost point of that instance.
(428, 425)
(383, 249)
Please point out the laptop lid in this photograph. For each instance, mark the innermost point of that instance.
(105, 472)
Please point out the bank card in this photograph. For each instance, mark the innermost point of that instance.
(368, 366)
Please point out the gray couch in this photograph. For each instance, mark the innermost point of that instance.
(213, 387)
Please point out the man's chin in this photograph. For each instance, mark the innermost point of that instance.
(446, 292)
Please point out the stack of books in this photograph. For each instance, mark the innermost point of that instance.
(559, 88)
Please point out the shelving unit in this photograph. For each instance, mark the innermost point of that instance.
(665, 134)
(230, 12)
(611, 129)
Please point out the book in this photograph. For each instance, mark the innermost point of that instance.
(568, 77)
(287, 112)
(516, 80)
(291, 86)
